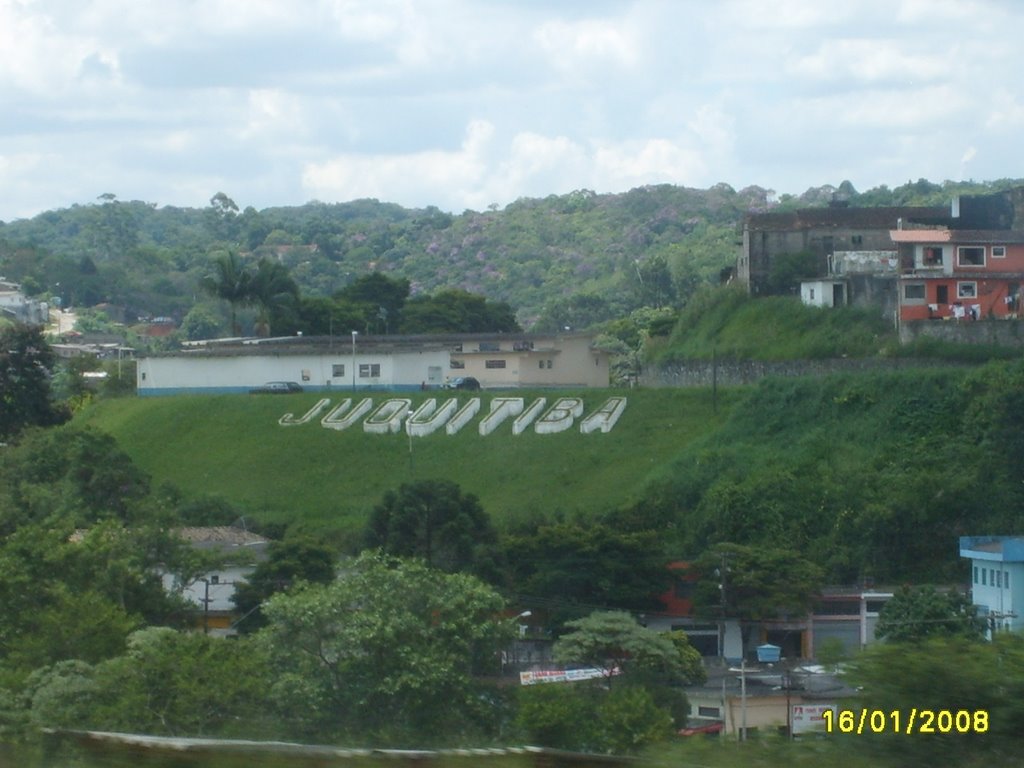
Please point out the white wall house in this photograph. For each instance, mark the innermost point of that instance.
(997, 578)
(16, 306)
(212, 593)
(314, 364)
(377, 363)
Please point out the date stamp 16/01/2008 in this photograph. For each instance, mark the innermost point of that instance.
(905, 722)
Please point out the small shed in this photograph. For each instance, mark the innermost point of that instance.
(823, 292)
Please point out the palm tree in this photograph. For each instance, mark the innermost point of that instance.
(272, 290)
(232, 282)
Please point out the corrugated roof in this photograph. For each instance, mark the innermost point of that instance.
(864, 218)
(980, 236)
(220, 536)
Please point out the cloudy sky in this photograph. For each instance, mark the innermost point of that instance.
(467, 103)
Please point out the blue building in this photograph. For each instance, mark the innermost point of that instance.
(997, 578)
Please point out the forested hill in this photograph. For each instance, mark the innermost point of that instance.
(574, 259)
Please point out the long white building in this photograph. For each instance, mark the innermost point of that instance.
(392, 363)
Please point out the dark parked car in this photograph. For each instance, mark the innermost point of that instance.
(463, 382)
(277, 388)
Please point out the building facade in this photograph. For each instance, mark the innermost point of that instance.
(997, 579)
(825, 233)
(387, 363)
(950, 274)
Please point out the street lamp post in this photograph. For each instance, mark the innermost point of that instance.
(408, 429)
(354, 334)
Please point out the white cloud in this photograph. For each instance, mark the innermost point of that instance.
(410, 179)
(37, 56)
(871, 60)
(273, 113)
(578, 47)
(1007, 114)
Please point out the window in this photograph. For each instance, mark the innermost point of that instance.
(999, 579)
(709, 712)
(975, 574)
(857, 239)
(369, 370)
(932, 256)
(540, 364)
(874, 606)
(338, 371)
(914, 292)
(983, 576)
(215, 578)
(998, 251)
(837, 608)
(991, 577)
(306, 374)
(489, 346)
(1006, 579)
(970, 256)
(457, 365)
(494, 363)
(967, 290)
(812, 294)
(522, 346)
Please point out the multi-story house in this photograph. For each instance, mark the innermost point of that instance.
(997, 579)
(959, 274)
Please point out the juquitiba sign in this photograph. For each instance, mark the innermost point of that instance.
(397, 413)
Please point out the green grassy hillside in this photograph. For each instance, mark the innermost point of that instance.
(232, 446)
(732, 325)
(872, 475)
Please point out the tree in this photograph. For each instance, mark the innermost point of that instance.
(274, 293)
(753, 584)
(614, 639)
(434, 520)
(457, 311)
(582, 717)
(980, 685)
(200, 323)
(654, 284)
(382, 299)
(916, 613)
(167, 683)
(26, 367)
(294, 561)
(320, 316)
(230, 281)
(626, 711)
(389, 651)
(588, 565)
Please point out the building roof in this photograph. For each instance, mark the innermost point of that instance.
(996, 236)
(221, 537)
(858, 218)
(342, 344)
(1005, 549)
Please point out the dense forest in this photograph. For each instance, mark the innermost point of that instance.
(574, 260)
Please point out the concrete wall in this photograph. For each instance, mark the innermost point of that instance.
(703, 373)
(1008, 333)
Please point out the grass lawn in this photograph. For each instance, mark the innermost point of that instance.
(326, 480)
